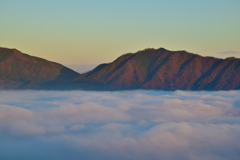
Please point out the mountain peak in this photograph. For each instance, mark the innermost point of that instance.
(169, 70)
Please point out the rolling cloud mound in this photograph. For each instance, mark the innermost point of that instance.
(131, 125)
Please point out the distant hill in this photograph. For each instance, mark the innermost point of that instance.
(21, 71)
(166, 70)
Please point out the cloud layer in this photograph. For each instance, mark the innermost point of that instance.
(119, 125)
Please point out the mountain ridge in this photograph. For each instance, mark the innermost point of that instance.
(167, 70)
(146, 69)
(19, 70)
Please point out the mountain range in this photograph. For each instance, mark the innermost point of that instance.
(147, 69)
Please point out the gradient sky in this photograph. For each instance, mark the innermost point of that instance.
(78, 32)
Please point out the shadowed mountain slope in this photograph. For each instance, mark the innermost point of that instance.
(168, 70)
(20, 71)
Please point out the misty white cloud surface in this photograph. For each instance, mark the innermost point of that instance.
(143, 125)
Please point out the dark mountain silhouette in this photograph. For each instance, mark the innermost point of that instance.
(21, 71)
(166, 70)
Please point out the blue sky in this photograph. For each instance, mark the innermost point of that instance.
(92, 32)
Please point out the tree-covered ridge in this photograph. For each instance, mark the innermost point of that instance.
(168, 70)
(17, 69)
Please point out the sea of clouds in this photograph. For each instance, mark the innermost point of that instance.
(142, 125)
